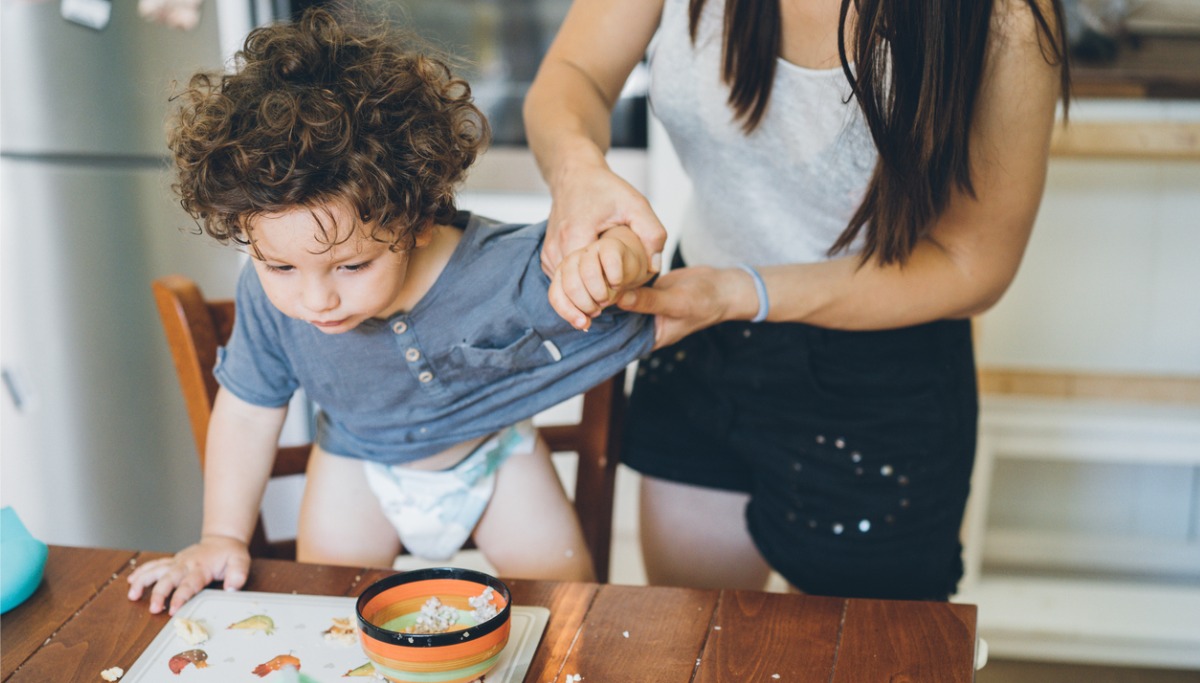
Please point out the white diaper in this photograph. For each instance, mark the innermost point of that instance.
(435, 511)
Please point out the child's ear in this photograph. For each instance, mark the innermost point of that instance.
(424, 236)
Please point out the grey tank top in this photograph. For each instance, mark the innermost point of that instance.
(781, 194)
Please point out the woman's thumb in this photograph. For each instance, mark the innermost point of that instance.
(640, 300)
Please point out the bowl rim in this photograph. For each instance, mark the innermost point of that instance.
(432, 639)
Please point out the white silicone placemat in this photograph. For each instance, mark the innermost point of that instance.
(300, 622)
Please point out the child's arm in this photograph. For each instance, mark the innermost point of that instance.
(241, 447)
(592, 278)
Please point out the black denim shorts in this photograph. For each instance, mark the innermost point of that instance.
(856, 447)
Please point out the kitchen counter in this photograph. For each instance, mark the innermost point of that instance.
(1150, 72)
(1152, 67)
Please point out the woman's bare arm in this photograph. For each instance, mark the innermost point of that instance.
(567, 120)
(973, 251)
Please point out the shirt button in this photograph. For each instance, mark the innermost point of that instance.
(412, 355)
(425, 377)
(399, 327)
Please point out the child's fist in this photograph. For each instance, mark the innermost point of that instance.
(592, 278)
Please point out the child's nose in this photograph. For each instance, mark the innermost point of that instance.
(319, 297)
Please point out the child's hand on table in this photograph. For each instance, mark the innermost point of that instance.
(190, 570)
(592, 278)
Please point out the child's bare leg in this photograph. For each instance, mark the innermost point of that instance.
(529, 529)
(341, 521)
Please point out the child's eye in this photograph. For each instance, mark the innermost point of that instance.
(356, 267)
(277, 269)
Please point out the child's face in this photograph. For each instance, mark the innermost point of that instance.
(334, 289)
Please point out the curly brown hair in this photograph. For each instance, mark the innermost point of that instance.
(326, 109)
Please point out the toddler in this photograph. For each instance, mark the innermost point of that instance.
(426, 336)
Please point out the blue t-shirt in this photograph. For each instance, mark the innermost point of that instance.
(480, 351)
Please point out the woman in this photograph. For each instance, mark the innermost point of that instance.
(866, 176)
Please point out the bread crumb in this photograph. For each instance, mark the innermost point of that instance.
(716, 628)
(341, 631)
(774, 675)
(113, 674)
(625, 633)
(192, 632)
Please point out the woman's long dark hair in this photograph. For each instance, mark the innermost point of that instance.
(917, 69)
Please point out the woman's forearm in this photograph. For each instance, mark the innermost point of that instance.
(840, 294)
(567, 122)
(568, 109)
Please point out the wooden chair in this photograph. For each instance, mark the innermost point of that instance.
(196, 327)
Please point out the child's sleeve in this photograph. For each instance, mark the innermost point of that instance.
(253, 364)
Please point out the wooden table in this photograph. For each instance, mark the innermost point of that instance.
(79, 622)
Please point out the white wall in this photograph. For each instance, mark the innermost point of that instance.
(1109, 284)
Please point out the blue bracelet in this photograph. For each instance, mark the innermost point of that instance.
(760, 288)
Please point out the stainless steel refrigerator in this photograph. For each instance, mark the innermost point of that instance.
(96, 449)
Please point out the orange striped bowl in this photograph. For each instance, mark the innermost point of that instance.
(390, 606)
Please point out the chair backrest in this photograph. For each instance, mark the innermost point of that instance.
(196, 327)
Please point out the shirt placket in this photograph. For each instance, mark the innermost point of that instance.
(409, 347)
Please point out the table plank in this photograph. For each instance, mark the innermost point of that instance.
(283, 576)
(762, 637)
(568, 604)
(367, 577)
(667, 628)
(71, 578)
(108, 630)
(906, 642)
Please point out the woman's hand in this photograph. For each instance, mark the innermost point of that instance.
(186, 573)
(690, 299)
(590, 201)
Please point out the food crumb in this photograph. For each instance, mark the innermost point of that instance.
(774, 675)
(341, 631)
(435, 617)
(716, 628)
(113, 674)
(625, 633)
(192, 632)
(483, 607)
